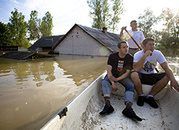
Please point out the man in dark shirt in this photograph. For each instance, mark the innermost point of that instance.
(119, 66)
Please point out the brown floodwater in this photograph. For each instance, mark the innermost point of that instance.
(33, 91)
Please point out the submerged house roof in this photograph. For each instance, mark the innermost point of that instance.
(107, 39)
(46, 42)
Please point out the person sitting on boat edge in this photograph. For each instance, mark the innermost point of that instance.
(144, 65)
(118, 69)
(134, 38)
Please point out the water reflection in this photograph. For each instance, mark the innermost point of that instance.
(38, 73)
(82, 68)
(24, 72)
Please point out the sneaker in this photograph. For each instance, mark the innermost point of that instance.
(140, 101)
(107, 110)
(151, 102)
(128, 112)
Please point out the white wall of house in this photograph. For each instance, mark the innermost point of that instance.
(78, 42)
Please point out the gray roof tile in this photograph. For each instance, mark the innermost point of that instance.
(46, 42)
(110, 40)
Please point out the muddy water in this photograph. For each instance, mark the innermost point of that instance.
(32, 91)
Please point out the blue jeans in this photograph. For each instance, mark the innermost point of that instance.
(127, 83)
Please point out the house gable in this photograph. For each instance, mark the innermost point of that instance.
(79, 42)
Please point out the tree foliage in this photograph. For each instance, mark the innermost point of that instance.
(105, 13)
(168, 37)
(18, 32)
(46, 25)
(33, 26)
(96, 13)
(147, 21)
(18, 29)
(117, 11)
(4, 34)
(170, 34)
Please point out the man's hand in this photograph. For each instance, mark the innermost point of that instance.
(114, 87)
(118, 79)
(148, 53)
(175, 84)
(124, 28)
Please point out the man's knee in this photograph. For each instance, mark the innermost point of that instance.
(106, 86)
(166, 78)
(163, 77)
(105, 82)
(106, 89)
(130, 87)
(134, 74)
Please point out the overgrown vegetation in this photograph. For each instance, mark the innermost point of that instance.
(18, 32)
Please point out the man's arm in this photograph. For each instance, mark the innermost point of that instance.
(123, 76)
(142, 38)
(109, 73)
(121, 33)
(139, 65)
(112, 78)
(170, 75)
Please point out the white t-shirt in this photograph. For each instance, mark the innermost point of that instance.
(138, 37)
(151, 61)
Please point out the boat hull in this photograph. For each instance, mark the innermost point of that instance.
(83, 112)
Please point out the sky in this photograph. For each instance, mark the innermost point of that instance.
(68, 12)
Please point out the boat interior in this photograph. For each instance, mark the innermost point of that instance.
(83, 112)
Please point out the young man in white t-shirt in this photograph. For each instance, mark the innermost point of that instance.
(144, 65)
(137, 35)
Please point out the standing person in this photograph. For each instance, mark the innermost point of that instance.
(118, 69)
(145, 62)
(137, 35)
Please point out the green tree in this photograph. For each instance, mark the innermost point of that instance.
(4, 34)
(169, 41)
(18, 29)
(147, 21)
(117, 11)
(46, 25)
(33, 26)
(171, 22)
(103, 14)
(96, 13)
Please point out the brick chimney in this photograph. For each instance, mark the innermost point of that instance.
(104, 30)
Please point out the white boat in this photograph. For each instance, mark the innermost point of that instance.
(83, 112)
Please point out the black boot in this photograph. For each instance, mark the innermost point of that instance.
(151, 102)
(140, 101)
(107, 110)
(128, 112)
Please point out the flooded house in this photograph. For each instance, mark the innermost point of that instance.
(45, 44)
(82, 40)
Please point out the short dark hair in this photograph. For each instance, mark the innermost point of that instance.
(133, 21)
(146, 40)
(119, 44)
